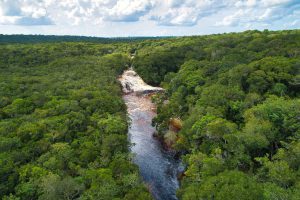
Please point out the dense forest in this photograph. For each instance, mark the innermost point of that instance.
(237, 98)
(63, 124)
(8, 39)
(234, 99)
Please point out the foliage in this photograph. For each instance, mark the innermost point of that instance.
(63, 124)
(238, 97)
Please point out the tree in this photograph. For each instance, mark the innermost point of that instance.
(55, 188)
(226, 185)
(19, 107)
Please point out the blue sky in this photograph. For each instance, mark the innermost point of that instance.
(113, 18)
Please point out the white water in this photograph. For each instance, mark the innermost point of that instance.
(132, 82)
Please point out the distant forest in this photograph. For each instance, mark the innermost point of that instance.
(6, 39)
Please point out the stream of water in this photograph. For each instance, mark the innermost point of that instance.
(158, 167)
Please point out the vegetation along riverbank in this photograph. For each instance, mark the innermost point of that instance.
(230, 110)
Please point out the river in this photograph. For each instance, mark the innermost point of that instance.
(157, 166)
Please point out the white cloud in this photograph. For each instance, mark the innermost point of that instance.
(161, 12)
(259, 11)
(128, 10)
(7, 20)
(269, 3)
(23, 12)
(247, 3)
(185, 13)
(266, 14)
(10, 8)
(81, 11)
(232, 20)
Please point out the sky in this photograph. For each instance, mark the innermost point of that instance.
(122, 18)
